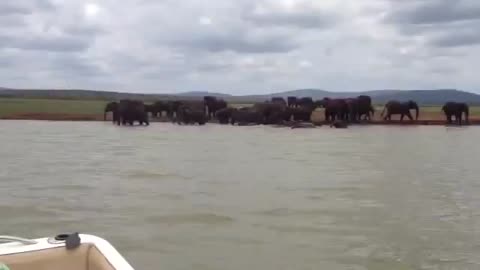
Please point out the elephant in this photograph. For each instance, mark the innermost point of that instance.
(224, 115)
(403, 108)
(175, 105)
(187, 116)
(302, 114)
(130, 111)
(273, 113)
(247, 116)
(455, 109)
(302, 125)
(335, 109)
(158, 107)
(279, 100)
(365, 107)
(305, 102)
(111, 107)
(292, 101)
(212, 105)
(358, 107)
(338, 124)
(353, 109)
(149, 108)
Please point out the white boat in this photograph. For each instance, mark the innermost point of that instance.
(62, 252)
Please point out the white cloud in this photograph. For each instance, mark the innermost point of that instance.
(205, 20)
(247, 46)
(91, 9)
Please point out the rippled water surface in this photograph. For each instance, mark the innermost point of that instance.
(216, 197)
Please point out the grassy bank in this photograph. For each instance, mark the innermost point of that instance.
(90, 110)
(13, 106)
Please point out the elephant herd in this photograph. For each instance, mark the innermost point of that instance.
(277, 111)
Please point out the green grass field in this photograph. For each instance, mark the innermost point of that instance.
(12, 106)
(15, 106)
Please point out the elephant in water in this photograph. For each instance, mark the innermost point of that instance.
(365, 107)
(272, 113)
(302, 114)
(305, 102)
(455, 109)
(338, 124)
(130, 111)
(403, 108)
(192, 105)
(111, 107)
(302, 125)
(213, 104)
(292, 101)
(158, 107)
(246, 116)
(335, 109)
(187, 115)
(279, 100)
(224, 115)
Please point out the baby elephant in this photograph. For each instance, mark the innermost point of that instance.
(338, 124)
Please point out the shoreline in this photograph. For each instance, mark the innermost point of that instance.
(99, 118)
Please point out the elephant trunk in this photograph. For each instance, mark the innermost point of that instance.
(417, 111)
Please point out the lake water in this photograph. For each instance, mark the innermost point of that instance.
(222, 197)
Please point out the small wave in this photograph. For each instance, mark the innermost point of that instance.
(66, 187)
(295, 229)
(153, 175)
(180, 219)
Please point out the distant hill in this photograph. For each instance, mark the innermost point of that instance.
(201, 94)
(423, 97)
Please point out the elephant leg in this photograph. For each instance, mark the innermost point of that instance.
(409, 115)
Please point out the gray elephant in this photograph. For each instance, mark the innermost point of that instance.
(224, 115)
(213, 104)
(186, 115)
(365, 107)
(130, 111)
(335, 109)
(305, 102)
(456, 109)
(403, 108)
(292, 101)
(246, 116)
(113, 108)
(192, 105)
(272, 113)
(159, 107)
(279, 100)
(302, 114)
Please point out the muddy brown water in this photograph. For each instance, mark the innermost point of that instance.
(221, 197)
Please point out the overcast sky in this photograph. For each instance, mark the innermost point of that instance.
(240, 46)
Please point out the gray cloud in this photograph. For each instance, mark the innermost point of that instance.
(247, 46)
(307, 18)
(456, 39)
(240, 43)
(23, 6)
(435, 11)
(43, 43)
(7, 8)
(439, 23)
